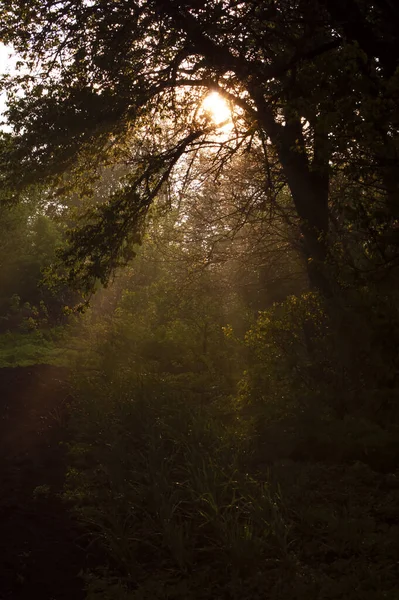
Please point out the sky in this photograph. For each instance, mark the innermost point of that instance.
(7, 65)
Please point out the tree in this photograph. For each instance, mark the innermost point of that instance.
(122, 83)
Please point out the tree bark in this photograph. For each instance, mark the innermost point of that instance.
(308, 183)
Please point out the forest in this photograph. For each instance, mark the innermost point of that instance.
(199, 300)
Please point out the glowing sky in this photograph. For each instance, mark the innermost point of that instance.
(214, 104)
(7, 65)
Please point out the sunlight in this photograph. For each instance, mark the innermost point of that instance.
(8, 61)
(217, 108)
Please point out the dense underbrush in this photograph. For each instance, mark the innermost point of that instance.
(207, 490)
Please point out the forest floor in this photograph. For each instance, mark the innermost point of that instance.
(339, 520)
(42, 549)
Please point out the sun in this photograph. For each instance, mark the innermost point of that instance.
(217, 108)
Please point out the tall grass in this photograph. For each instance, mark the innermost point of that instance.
(169, 488)
(160, 480)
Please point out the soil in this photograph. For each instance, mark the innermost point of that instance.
(43, 551)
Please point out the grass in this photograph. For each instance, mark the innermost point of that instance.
(36, 347)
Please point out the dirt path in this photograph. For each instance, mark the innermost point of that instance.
(41, 547)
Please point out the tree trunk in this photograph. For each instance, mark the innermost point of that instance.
(308, 183)
(309, 191)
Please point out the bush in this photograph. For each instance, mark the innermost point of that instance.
(196, 492)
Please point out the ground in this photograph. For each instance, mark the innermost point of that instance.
(42, 549)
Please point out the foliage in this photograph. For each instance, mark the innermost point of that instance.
(178, 490)
(283, 345)
(235, 423)
(309, 394)
(195, 487)
(30, 239)
(123, 88)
